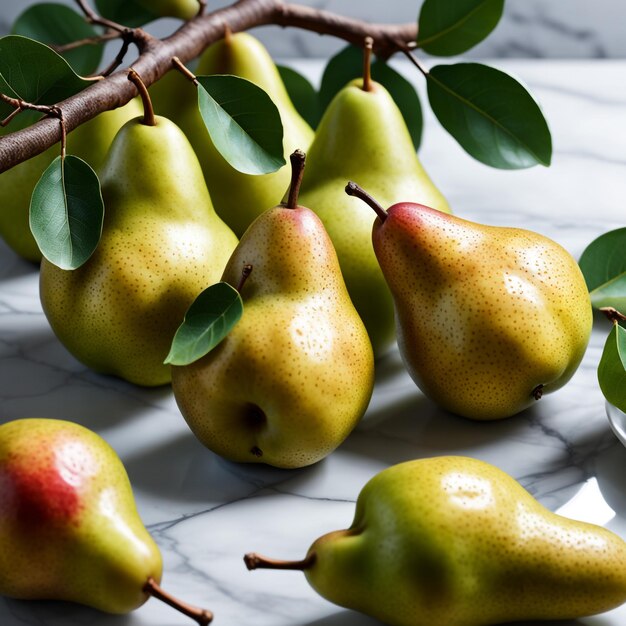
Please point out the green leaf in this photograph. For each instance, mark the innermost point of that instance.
(58, 24)
(128, 12)
(612, 368)
(302, 94)
(449, 28)
(603, 264)
(348, 65)
(67, 212)
(243, 122)
(213, 314)
(490, 114)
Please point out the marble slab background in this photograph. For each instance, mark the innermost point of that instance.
(529, 28)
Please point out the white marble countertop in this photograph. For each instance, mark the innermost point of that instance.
(205, 513)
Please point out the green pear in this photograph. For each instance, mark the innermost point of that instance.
(161, 245)
(238, 198)
(89, 142)
(295, 375)
(489, 318)
(456, 541)
(182, 9)
(362, 136)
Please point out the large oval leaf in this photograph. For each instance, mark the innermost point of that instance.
(612, 368)
(243, 122)
(348, 65)
(52, 23)
(302, 94)
(449, 28)
(67, 212)
(603, 264)
(128, 12)
(213, 314)
(490, 114)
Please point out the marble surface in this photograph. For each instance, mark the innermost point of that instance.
(205, 513)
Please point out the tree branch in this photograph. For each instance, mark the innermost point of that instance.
(155, 60)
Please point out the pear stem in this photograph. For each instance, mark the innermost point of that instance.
(367, 64)
(352, 189)
(186, 72)
(148, 110)
(613, 315)
(201, 616)
(537, 392)
(245, 272)
(256, 561)
(228, 33)
(297, 159)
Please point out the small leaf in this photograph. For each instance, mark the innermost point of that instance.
(302, 94)
(348, 65)
(128, 12)
(243, 122)
(449, 28)
(67, 212)
(603, 264)
(612, 368)
(490, 114)
(58, 24)
(213, 314)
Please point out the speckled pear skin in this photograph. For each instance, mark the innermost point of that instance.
(161, 245)
(69, 527)
(456, 541)
(294, 377)
(363, 137)
(90, 142)
(484, 314)
(240, 198)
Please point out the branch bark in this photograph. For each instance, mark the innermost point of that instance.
(187, 43)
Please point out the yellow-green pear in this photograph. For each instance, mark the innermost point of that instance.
(182, 9)
(488, 318)
(363, 137)
(161, 245)
(295, 375)
(69, 528)
(457, 542)
(90, 142)
(238, 198)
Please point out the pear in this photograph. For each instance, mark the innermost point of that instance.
(456, 541)
(238, 198)
(161, 245)
(489, 318)
(68, 522)
(362, 136)
(295, 375)
(90, 142)
(181, 9)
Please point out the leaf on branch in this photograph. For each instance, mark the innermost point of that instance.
(302, 94)
(210, 318)
(612, 368)
(57, 24)
(127, 12)
(449, 28)
(490, 114)
(243, 122)
(348, 65)
(603, 264)
(67, 212)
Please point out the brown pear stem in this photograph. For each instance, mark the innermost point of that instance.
(613, 315)
(228, 33)
(186, 72)
(245, 272)
(537, 392)
(256, 561)
(367, 64)
(297, 159)
(148, 110)
(352, 189)
(201, 616)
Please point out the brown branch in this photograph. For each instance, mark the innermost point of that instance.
(88, 41)
(93, 18)
(155, 60)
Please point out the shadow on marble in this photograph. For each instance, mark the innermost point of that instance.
(13, 266)
(610, 475)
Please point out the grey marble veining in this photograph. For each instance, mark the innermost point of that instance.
(205, 513)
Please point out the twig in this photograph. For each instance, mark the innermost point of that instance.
(94, 18)
(128, 37)
(406, 50)
(184, 70)
(88, 41)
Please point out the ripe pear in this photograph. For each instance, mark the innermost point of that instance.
(362, 136)
(488, 318)
(456, 541)
(295, 375)
(181, 9)
(239, 198)
(161, 245)
(68, 522)
(90, 142)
